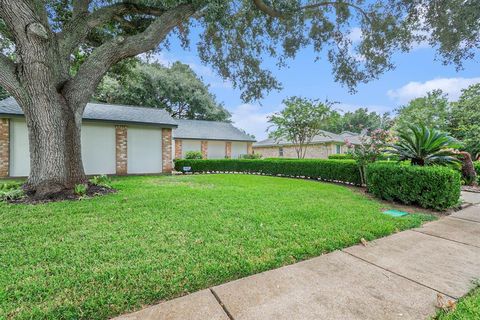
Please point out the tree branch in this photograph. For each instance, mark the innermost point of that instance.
(80, 7)
(278, 14)
(81, 87)
(83, 23)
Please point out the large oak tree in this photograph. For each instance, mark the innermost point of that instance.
(55, 52)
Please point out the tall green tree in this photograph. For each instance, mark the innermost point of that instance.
(176, 89)
(432, 110)
(357, 121)
(299, 122)
(45, 38)
(465, 120)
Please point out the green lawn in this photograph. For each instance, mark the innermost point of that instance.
(161, 237)
(468, 308)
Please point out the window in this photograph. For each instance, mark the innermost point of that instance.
(280, 152)
(339, 149)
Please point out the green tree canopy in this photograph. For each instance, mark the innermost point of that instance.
(357, 121)
(432, 111)
(176, 89)
(299, 122)
(465, 119)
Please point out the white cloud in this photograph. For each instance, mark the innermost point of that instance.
(252, 119)
(413, 89)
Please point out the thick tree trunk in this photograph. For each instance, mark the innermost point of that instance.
(54, 132)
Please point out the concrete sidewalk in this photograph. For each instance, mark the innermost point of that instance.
(396, 277)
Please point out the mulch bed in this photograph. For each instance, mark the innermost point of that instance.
(92, 191)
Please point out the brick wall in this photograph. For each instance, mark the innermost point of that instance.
(4, 147)
(228, 149)
(167, 150)
(320, 151)
(178, 149)
(204, 148)
(121, 150)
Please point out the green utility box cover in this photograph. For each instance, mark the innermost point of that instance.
(395, 213)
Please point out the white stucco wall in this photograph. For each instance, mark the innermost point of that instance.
(98, 148)
(238, 149)
(216, 149)
(190, 145)
(19, 150)
(144, 149)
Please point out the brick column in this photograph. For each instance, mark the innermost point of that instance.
(178, 148)
(249, 148)
(4, 147)
(228, 149)
(121, 150)
(204, 148)
(167, 150)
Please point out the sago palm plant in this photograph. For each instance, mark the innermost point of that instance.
(425, 146)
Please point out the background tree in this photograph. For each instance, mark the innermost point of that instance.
(432, 110)
(465, 120)
(63, 48)
(299, 122)
(357, 121)
(176, 89)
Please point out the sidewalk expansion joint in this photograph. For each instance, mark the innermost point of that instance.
(440, 237)
(402, 276)
(229, 315)
(464, 219)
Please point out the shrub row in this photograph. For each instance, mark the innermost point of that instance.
(430, 187)
(327, 170)
(347, 156)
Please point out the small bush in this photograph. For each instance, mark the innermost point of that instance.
(432, 187)
(327, 170)
(477, 168)
(80, 190)
(193, 155)
(11, 194)
(250, 156)
(102, 181)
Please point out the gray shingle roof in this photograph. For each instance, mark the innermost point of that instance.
(209, 130)
(324, 137)
(106, 112)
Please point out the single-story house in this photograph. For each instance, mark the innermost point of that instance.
(216, 140)
(321, 146)
(121, 140)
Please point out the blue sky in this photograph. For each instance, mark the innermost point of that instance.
(416, 73)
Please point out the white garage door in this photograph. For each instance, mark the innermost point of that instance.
(144, 150)
(19, 149)
(190, 145)
(98, 148)
(216, 150)
(238, 149)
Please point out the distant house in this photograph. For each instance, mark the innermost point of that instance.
(321, 146)
(121, 140)
(216, 140)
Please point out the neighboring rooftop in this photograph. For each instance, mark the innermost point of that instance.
(324, 137)
(209, 130)
(106, 112)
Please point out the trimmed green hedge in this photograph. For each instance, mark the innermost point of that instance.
(327, 170)
(477, 167)
(340, 156)
(347, 156)
(430, 187)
